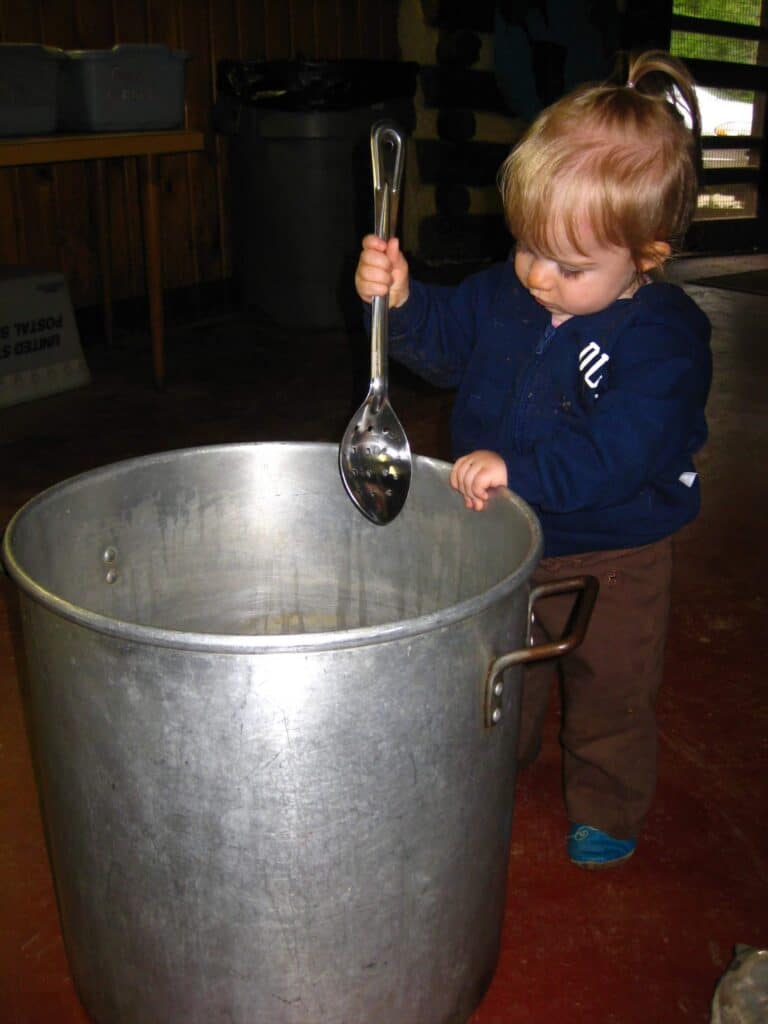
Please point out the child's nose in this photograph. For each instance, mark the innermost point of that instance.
(539, 273)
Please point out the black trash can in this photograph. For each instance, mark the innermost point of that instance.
(301, 191)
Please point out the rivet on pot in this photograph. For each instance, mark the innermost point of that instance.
(494, 700)
(110, 554)
(111, 576)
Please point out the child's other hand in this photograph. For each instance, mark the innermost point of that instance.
(475, 474)
(382, 268)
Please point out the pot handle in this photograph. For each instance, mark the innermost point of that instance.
(586, 588)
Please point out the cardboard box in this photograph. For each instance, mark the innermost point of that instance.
(40, 352)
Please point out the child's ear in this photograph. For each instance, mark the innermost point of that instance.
(654, 256)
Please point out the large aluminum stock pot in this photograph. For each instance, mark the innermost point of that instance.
(275, 743)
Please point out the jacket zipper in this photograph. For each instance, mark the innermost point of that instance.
(524, 391)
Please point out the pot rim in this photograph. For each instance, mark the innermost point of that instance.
(236, 643)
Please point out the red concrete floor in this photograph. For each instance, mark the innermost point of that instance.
(642, 944)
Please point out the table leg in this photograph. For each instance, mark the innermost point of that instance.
(153, 265)
(105, 258)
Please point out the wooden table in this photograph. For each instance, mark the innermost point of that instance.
(53, 149)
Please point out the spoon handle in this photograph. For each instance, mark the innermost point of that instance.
(387, 165)
(380, 322)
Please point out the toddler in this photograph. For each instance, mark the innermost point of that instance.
(581, 381)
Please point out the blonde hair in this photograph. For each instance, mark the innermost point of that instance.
(625, 158)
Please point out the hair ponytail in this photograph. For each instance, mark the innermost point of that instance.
(661, 76)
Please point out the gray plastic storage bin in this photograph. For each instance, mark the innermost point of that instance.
(28, 87)
(132, 87)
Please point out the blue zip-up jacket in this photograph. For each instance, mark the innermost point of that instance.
(597, 419)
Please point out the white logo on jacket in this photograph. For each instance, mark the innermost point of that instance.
(591, 360)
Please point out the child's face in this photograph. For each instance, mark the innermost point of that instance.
(570, 283)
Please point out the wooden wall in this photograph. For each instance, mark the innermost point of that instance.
(47, 213)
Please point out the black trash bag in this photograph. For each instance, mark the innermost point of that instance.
(316, 84)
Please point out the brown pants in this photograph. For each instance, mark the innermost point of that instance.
(608, 685)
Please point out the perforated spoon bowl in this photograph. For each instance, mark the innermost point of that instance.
(374, 455)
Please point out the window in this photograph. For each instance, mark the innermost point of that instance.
(726, 48)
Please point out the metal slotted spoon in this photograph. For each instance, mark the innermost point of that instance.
(374, 455)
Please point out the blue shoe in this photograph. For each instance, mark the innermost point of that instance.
(590, 848)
